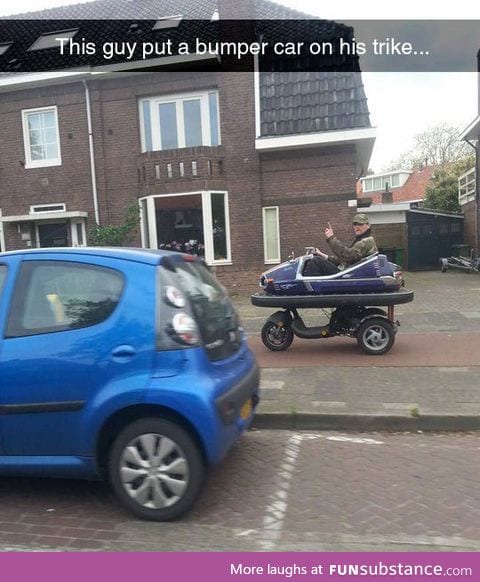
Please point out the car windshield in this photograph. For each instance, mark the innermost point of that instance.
(212, 308)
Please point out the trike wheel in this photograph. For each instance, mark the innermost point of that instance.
(276, 337)
(375, 336)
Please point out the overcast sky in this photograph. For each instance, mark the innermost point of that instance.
(401, 104)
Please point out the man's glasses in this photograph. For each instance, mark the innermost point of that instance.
(356, 224)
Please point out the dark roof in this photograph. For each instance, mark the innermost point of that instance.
(291, 102)
(311, 101)
(151, 9)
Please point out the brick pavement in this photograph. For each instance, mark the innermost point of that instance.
(279, 491)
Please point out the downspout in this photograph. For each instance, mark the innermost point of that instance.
(91, 151)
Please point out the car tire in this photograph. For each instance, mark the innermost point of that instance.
(156, 469)
(375, 336)
(277, 338)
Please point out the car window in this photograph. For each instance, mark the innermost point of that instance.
(3, 276)
(54, 296)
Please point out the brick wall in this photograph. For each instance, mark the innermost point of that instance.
(311, 188)
(70, 182)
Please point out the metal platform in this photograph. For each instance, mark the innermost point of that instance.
(337, 300)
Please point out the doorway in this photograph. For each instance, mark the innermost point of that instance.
(53, 235)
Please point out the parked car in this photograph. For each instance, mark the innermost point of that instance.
(127, 364)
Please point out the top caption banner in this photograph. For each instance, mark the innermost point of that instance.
(240, 45)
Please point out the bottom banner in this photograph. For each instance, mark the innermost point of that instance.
(221, 567)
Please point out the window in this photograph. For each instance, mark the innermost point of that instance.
(38, 208)
(41, 137)
(51, 39)
(4, 46)
(271, 235)
(59, 296)
(180, 121)
(196, 223)
(167, 22)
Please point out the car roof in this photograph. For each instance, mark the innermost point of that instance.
(149, 256)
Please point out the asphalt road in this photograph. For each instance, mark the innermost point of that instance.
(278, 491)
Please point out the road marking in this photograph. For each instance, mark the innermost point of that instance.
(360, 441)
(277, 508)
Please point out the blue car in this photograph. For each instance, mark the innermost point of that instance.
(126, 364)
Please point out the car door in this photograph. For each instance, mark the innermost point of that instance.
(68, 346)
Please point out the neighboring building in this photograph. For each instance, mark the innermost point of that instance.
(414, 237)
(242, 168)
(408, 234)
(395, 186)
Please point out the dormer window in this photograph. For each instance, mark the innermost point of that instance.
(168, 22)
(4, 46)
(50, 39)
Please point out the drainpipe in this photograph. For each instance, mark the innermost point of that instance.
(91, 151)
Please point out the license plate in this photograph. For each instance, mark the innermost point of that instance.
(246, 409)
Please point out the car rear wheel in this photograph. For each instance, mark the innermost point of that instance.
(156, 469)
(375, 336)
(276, 337)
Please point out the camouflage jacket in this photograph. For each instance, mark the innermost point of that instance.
(344, 255)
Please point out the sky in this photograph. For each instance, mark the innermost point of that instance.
(401, 105)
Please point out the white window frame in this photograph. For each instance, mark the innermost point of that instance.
(277, 259)
(178, 99)
(73, 232)
(148, 225)
(29, 163)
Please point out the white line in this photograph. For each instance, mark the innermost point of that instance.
(276, 510)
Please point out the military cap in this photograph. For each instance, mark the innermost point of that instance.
(361, 219)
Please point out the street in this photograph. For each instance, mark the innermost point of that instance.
(278, 491)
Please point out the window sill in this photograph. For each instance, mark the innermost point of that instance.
(46, 164)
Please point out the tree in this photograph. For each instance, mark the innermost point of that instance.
(117, 235)
(442, 192)
(437, 146)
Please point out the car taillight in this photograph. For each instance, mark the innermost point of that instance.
(185, 328)
(175, 297)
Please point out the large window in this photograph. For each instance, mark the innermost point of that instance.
(41, 138)
(194, 222)
(271, 234)
(180, 121)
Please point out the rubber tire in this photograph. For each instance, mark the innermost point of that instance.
(285, 344)
(376, 321)
(196, 466)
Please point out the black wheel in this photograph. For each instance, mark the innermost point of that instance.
(375, 336)
(276, 337)
(156, 469)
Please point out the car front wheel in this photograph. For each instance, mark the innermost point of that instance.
(156, 469)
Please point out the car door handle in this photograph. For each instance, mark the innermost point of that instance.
(123, 353)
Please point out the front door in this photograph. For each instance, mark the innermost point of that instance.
(53, 235)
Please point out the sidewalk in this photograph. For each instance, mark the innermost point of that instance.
(429, 381)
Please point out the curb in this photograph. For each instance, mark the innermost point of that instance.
(363, 423)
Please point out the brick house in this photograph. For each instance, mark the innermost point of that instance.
(241, 167)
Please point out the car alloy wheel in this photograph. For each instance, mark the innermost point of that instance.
(156, 469)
